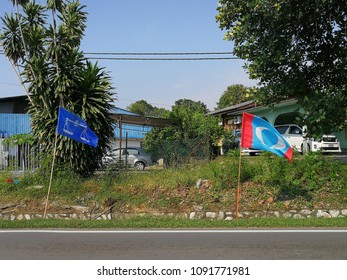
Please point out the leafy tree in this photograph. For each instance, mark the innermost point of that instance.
(295, 49)
(143, 108)
(56, 73)
(234, 94)
(192, 134)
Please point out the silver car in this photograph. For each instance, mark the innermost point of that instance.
(133, 156)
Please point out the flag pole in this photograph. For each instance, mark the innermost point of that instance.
(237, 191)
(51, 177)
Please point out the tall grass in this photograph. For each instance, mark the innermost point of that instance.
(267, 181)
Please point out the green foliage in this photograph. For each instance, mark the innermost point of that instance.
(19, 139)
(312, 180)
(57, 74)
(295, 49)
(192, 135)
(306, 176)
(233, 95)
(143, 108)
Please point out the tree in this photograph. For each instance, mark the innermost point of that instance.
(234, 94)
(296, 49)
(192, 134)
(56, 74)
(143, 108)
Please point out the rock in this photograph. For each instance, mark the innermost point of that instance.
(198, 208)
(334, 213)
(323, 214)
(306, 212)
(211, 215)
(287, 215)
(192, 215)
(203, 184)
(297, 216)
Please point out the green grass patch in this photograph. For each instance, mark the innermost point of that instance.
(147, 222)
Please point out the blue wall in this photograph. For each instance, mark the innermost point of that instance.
(20, 123)
(14, 123)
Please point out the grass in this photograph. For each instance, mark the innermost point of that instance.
(268, 182)
(146, 222)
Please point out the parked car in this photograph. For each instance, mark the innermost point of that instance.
(133, 156)
(296, 137)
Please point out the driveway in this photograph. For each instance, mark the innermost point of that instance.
(341, 157)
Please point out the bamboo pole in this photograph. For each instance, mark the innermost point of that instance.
(51, 177)
(237, 191)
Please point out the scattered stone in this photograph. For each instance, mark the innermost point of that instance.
(211, 215)
(334, 213)
(306, 212)
(203, 184)
(297, 216)
(198, 208)
(323, 214)
(192, 215)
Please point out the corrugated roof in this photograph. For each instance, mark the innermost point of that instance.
(123, 112)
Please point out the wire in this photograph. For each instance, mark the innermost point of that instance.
(158, 53)
(114, 54)
(167, 59)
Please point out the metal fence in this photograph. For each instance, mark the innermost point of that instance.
(175, 153)
(17, 157)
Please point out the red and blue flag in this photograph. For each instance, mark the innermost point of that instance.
(259, 134)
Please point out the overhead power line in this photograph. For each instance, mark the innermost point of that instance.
(164, 56)
(158, 53)
(170, 58)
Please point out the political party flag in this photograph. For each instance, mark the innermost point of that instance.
(72, 126)
(259, 134)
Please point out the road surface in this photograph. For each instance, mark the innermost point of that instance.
(283, 244)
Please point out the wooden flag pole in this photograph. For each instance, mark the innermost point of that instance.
(237, 191)
(51, 178)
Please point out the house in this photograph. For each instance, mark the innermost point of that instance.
(133, 127)
(283, 113)
(130, 129)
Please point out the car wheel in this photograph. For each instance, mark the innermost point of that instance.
(140, 165)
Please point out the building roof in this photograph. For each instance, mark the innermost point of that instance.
(238, 107)
(127, 117)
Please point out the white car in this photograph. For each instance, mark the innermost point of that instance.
(296, 137)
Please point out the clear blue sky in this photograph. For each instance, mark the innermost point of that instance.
(153, 26)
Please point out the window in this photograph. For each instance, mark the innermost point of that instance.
(295, 130)
(282, 129)
(133, 152)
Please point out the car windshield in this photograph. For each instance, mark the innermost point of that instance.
(282, 129)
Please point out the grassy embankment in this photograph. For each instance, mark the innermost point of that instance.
(268, 182)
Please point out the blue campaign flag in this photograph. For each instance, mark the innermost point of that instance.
(72, 126)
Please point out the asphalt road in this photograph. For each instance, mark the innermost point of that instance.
(178, 245)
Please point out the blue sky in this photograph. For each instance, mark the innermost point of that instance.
(153, 26)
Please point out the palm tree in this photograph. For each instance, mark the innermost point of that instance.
(56, 73)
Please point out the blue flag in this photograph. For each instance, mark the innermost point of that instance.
(72, 126)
